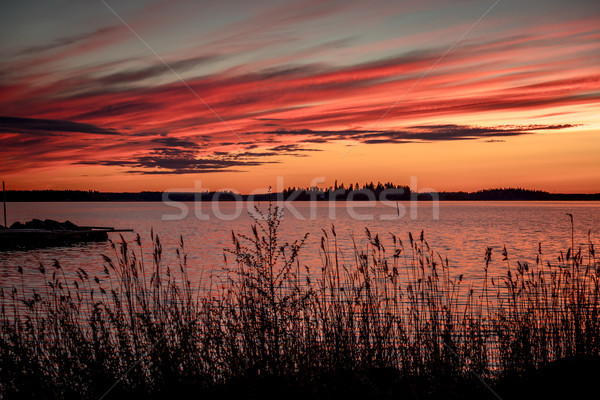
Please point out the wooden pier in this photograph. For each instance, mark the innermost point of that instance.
(26, 237)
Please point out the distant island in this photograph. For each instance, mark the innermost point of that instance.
(354, 192)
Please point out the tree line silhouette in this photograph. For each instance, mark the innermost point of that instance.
(338, 192)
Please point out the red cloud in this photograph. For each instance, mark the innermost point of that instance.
(527, 72)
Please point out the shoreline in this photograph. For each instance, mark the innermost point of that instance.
(386, 193)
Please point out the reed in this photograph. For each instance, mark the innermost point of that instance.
(396, 320)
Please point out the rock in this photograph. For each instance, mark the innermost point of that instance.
(69, 225)
(47, 224)
(52, 225)
(17, 225)
(35, 224)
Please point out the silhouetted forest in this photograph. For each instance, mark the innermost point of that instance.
(355, 192)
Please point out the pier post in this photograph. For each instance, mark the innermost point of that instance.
(4, 202)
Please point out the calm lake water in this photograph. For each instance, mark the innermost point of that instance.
(460, 231)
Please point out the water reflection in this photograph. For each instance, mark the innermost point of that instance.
(462, 232)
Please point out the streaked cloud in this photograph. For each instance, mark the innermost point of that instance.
(289, 79)
(47, 126)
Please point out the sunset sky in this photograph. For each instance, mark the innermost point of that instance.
(168, 95)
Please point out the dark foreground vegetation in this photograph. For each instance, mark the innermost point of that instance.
(394, 323)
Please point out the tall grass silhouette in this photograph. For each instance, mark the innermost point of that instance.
(393, 321)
